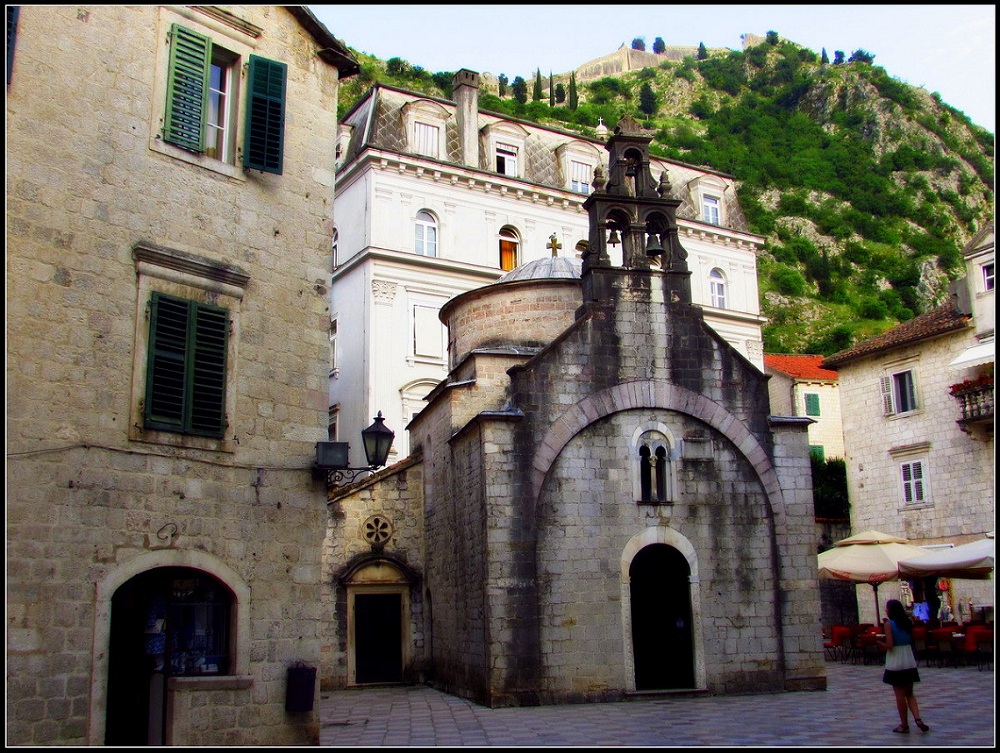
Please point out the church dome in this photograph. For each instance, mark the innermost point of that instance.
(549, 268)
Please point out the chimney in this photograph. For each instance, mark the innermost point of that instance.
(465, 92)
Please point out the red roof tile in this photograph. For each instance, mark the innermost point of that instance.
(799, 367)
(945, 318)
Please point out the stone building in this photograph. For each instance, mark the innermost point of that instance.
(170, 182)
(598, 500)
(436, 197)
(917, 406)
(800, 386)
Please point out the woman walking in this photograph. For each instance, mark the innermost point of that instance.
(900, 664)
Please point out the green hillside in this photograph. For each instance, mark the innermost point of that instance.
(866, 188)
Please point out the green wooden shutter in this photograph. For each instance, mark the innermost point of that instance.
(167, 363)
(186, 375)
(208, 374)
(265, 115)
(812, 404)
(187, 89)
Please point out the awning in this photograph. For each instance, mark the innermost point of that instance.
(977, 354)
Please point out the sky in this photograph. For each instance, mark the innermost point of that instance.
(949, 49)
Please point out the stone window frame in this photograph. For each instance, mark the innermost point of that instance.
(906, 458)
(890, 384)
(718, 286)
(714, 188)
(196, 278)
(238, 44)
(653, 436)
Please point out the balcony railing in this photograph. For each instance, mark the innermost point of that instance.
(975, 398)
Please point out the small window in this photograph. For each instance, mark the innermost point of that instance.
(425, 234)
(655, 472)
(509, 246)
(812, 404)
(186, 372)
(332, 421)
(426, 139)
(507, 159)
(580, 177)
(717, 288)
(335, 248)
(899, 393)
(710, 209)
(988, 278)
(914, 479)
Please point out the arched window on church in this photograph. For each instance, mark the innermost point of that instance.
(655, 469)
(509, 244)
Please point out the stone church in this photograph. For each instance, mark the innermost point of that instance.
(597, 502)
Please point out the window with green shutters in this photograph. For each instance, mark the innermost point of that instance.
(812, 404)
(186, 370)
(198, 87)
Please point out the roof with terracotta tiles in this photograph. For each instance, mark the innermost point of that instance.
(945, 318)
(799, 367)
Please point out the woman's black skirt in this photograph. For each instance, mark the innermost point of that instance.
(900, 677)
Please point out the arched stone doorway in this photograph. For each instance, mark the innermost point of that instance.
(662, 624)
(378, 623)
(165, 622)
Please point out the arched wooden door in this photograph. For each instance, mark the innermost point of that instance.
(662, 633)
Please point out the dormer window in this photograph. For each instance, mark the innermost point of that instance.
(577, 161)
(505, 148)
(710, 209)
(424, 122)
(707, 194)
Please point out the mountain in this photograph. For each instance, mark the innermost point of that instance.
(866, 188)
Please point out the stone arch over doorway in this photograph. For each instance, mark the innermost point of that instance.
(668, 537)
(115, 578)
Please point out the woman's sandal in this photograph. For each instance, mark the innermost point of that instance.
(923, 727)
(902, 728)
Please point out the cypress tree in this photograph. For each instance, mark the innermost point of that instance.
(573, 101)
(552, 92)
(520, 89)
(536, 93)
(502, 84)
(702, 51)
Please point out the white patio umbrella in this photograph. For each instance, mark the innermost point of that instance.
(869, 557)
(973, 561)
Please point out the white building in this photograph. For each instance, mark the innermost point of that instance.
(917, 406)
(435, 198)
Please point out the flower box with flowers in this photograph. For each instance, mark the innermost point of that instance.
(975, 384)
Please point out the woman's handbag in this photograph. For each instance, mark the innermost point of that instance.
(899, 658)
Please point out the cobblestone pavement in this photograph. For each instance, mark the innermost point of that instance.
(857, 709)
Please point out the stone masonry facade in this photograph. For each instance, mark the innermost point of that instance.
(100, 214)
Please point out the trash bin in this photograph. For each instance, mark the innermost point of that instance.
(301, 690)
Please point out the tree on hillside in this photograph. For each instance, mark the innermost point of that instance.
(861, 56)
(396, 66)
(659, 45)
(536, 92)
(639, 44)
(838, 57)
(824, 59)
(772, 38)
(647, 99)
(552, 92)
(560, 93)
(502, 84)
(702, 51)
(573, 97)
(520, 89)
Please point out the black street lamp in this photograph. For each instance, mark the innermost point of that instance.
(332, 457)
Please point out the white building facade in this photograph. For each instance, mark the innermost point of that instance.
(435, 198)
